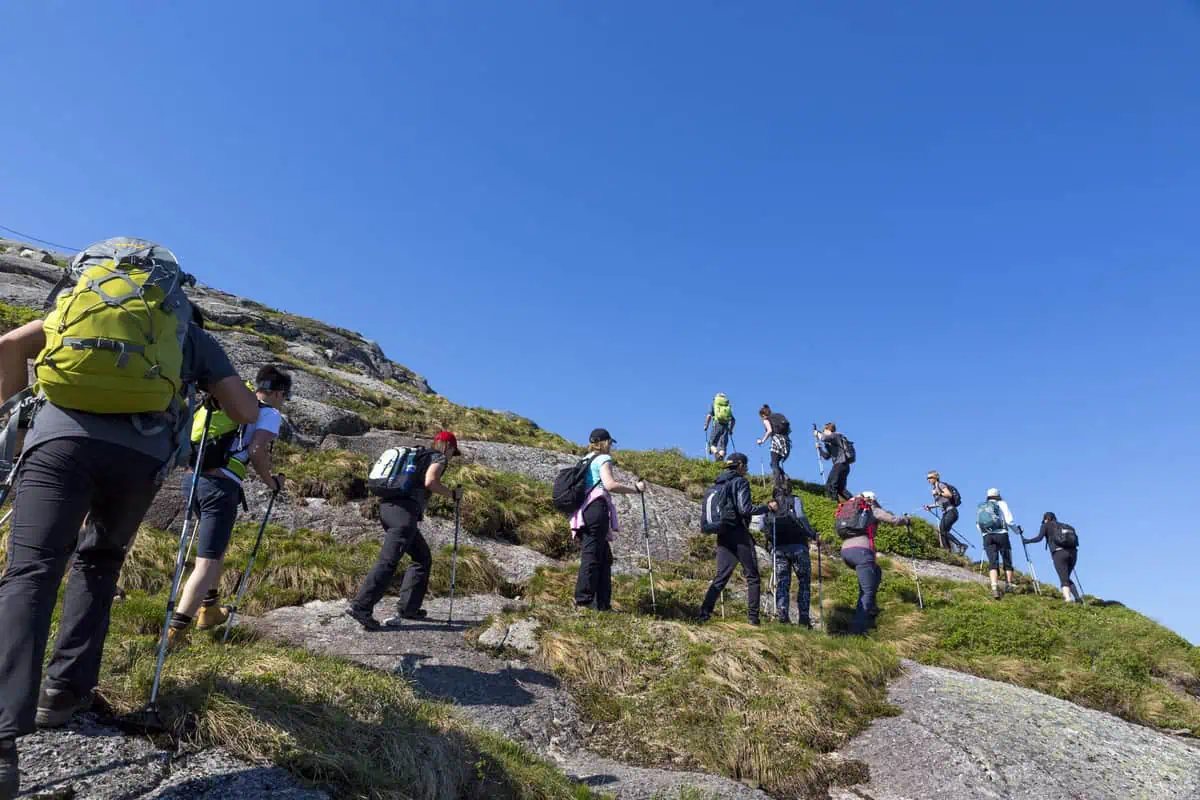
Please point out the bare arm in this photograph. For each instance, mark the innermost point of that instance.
(16, 348)
(613, 485)
(236, 400)
(433, 480)
(707, 421)
(260, 457)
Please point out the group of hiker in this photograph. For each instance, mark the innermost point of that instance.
(727, 511)
(129, 385)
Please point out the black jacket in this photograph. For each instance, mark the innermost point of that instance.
(788, 528)
(739, 489)
(1048, 532)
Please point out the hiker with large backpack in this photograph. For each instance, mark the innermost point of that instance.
(229, 452)
(721, 421)
(790, 533)
(779, 431)
(1063, 543)
(994, 520)
(726, 511)
(594, 520)
(947, 499)
(837, 449)
(110, 420)
(403, 478)
(855, 523)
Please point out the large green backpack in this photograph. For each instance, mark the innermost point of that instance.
(722, 410)
(114, 342)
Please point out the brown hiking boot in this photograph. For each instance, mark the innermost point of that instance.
(211, 617)
(176, 638)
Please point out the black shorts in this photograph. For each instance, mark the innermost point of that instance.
(997, 545)
(217, 504)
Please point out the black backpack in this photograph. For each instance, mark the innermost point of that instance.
(1065, 536)
(570, 486)
(955, 497)
(718, 509)
(848, 449)
(780, 424)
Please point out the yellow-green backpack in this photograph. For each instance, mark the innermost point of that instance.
(224, 438)
(114, 342)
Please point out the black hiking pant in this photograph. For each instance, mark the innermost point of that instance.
(593, 584)
(949, 517)
(1064, 565)
(862, 561)
(401, 536)
(997, 546)
(59, 483)
(734, 546)
(835, 484)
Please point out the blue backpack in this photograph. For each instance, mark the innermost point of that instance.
(990, 518)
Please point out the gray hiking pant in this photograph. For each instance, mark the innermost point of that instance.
(789, 558)
(734, 546)
(60, 482)
(862, 561)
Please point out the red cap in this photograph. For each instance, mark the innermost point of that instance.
(447, 436)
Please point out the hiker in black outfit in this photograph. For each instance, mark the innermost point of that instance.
(943, 499)
(1064, 557)
(734, 543)
(595, 523)
(400, 515)
(778, 430)
(833, 449)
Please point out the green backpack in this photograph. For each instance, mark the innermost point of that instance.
(722, 410)
(224, 439)
(114, 342)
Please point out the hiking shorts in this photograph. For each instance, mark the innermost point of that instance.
(997, 545)
(217, 505)
(718, 435)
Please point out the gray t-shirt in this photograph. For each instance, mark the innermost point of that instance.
(204, 362)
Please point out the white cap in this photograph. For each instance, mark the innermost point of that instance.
(869, 495)
(993, 493)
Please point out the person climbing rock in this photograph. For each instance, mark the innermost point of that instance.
(779, 431)
(1063, 543)
(719, 425)
(229, 451)
(400, 514)
(112, 424)
(947, 499)
(856, 521)
(734, 543)
(839, 451)
(595, 523)
(994, 521)
(789, 533)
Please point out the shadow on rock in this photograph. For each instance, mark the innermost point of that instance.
(466, 686)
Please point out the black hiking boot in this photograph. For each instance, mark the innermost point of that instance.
(10, 775)
(56, 707)
(398, 620)
(703, 618)
(363, 618)
(804, 622)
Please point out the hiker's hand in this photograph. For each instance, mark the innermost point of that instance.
(210, 402)
(640, 486)
(457, 493)
(929, 508)
(758, 442)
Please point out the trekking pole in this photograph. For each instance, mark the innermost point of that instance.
(820, 587)
(649, 561)
(245, 581)
(7, 514)
(1079, 583)
(820, 461)
(916, 575)
(150, 712)
(454, 557)
(1028, 560)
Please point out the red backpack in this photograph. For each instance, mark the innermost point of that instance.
(854, 517)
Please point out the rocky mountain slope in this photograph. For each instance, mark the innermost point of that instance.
(578, 693)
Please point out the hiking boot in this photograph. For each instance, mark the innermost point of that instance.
(996, 594)
(364, 618)
(177, 638)
(703, 618)
(211, 617)
(804, 622)
(398, 620)
(10, 776)
(56, 707)
(753, 622)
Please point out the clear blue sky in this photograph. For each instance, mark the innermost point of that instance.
(965, 231)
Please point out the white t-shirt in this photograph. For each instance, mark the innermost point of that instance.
(269, 420)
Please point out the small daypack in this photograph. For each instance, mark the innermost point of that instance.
(955, 497)
(853, 517)
(990, 518)
(114, 342)
(780, 424)
(1065, 536)
(571, 486)
(224, 439)
(398, 471)
(718, 509)
(722, 410)
(848, 450)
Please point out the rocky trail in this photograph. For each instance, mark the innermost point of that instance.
(960, 736)
(497, 690)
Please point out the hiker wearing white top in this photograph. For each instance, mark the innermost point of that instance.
(994, 520)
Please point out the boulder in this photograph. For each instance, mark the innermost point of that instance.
(318, 420)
